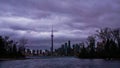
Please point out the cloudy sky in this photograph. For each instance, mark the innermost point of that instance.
(72, 20)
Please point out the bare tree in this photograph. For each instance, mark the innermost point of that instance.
(22, 43)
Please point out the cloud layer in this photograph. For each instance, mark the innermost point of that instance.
(72, 19)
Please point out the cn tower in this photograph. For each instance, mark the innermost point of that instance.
(52, 41)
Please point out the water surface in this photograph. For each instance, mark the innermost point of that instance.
(61, 62)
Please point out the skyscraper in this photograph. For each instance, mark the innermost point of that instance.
(52, 41)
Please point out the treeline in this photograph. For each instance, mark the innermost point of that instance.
(10, 48)
(104, 44)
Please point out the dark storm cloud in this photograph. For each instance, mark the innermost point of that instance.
(72, 19)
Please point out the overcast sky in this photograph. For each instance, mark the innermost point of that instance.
(72, 20)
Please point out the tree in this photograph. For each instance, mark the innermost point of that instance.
(116, 35)
(109, 37)
(91, 46)
(22, 44)
(83, 52)
(14, 49)
(8, 48)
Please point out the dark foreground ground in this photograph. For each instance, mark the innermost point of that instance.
(60, 62)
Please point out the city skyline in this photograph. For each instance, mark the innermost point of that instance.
(72, 20)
